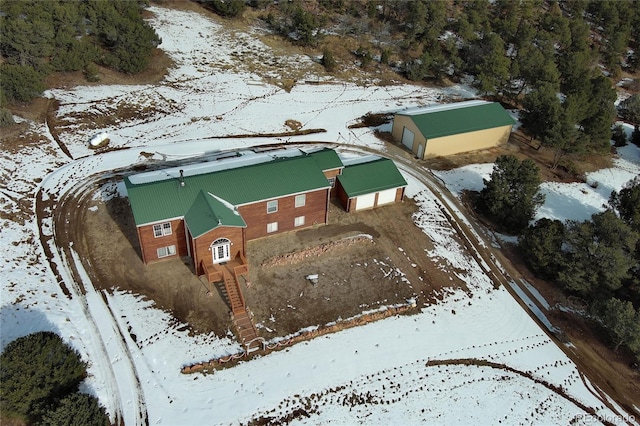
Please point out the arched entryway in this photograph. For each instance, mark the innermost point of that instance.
(221, 250)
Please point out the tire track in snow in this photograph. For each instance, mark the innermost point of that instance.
(106, 345)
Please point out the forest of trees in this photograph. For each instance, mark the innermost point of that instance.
(43, 37)
(597, 260)
(556, 60)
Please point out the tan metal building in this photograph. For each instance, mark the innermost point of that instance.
(448, 129)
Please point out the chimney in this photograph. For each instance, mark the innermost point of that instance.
(181, 177)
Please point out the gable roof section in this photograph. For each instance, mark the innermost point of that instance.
(327, 159)
(167, 199)
(208, 212)
(374, 176)
(468, 117)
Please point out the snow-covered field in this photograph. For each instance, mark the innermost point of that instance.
(474, 358)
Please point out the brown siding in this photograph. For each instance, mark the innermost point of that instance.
(202, 244)
(149, 244)
(256, 217)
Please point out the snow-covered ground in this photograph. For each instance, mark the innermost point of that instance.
(402, 370)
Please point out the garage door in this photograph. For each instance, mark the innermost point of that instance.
(386, 197)
(407, 138)
(365, 201)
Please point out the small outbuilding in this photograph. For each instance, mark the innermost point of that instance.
(448, 129)
(370, 184)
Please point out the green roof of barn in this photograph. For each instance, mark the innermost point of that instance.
(373, 176)
(466, 118)
(327, 159)
(166, 199)
(208, 212)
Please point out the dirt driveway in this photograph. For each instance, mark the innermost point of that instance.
(363, 260)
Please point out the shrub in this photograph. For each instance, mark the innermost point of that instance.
(618, 136)
(328, 61)
(6, 118)
(20, 83)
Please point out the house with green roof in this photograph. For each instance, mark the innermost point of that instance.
(184, 212)
(448, 129)
(208, 211)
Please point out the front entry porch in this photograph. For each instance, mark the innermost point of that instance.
(229, 273)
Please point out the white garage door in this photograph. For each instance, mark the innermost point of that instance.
(365, 201)
(386, 197)
(407, 138)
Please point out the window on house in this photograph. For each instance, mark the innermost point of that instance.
(298, 221)
(161, 229)
(332, 182)
(166, 251)
(301, 200)
(272, 227)
(272, 206)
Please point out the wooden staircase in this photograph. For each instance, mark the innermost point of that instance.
(234, 293)
(245, 329)
(247, 332)
(241, 319)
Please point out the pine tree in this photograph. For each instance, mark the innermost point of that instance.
(511, 196)
(35, 370)
(622, 322)
(599, 255)
(627, 203)
(541, 247)
(77, 409)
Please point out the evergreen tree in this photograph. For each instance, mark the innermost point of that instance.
(35, 370)
(20, 83)
(541, 247)
(77, 409)
(599, 255)
(622, 322)
(328, 60)
(627, 203)
(511, 196)
(619, 136)
(493, 70)
(541, 111)
(629, 110)
(228, 8)
(599, 114)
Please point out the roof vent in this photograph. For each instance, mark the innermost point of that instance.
(181, 177)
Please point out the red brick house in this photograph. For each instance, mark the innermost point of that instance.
(208, 211)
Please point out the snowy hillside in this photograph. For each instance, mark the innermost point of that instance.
(475, 358)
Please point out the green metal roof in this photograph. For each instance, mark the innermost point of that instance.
(327, 159)
(166, 199)
(466, 119)
(374, 176)
(208, 212)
